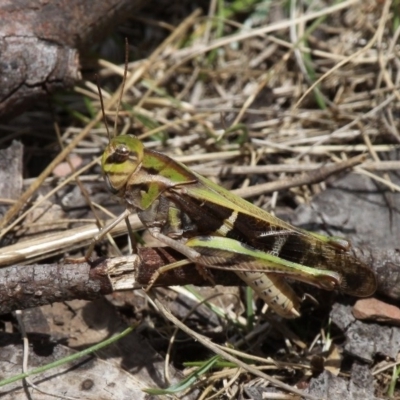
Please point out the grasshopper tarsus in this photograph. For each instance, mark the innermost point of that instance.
(152, 281)
(205, 274)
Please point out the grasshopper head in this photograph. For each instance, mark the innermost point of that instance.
(120, 160)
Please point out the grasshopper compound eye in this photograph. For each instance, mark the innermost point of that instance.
(121, 153)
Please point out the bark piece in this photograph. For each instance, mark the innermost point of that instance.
(30, 68)
(10, 172)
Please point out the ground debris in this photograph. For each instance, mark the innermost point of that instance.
(330, 387)
(365, 340)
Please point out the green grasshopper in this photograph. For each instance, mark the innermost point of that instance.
(214, 228)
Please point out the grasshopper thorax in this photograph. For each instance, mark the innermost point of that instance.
(121, 158)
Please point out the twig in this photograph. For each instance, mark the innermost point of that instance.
(29, 286)
(26, 286)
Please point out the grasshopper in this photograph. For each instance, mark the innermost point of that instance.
(214, 228)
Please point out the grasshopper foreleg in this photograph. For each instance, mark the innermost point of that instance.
(104, 231)
(182, 248)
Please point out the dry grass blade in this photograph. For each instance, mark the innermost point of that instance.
(49, 245)
(311, 177)
(225, 355)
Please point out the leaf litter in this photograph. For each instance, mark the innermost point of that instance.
(258, 86)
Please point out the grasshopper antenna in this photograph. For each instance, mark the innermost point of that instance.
(102, 107)
(122, 86)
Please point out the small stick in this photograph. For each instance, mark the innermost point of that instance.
(26, 286)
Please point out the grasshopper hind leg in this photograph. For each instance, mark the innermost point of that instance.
(271, 288)
(187, 251)
(275, 291)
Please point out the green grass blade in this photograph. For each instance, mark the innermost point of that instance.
(188, 381)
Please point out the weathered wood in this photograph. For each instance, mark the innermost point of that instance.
(39, 43)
